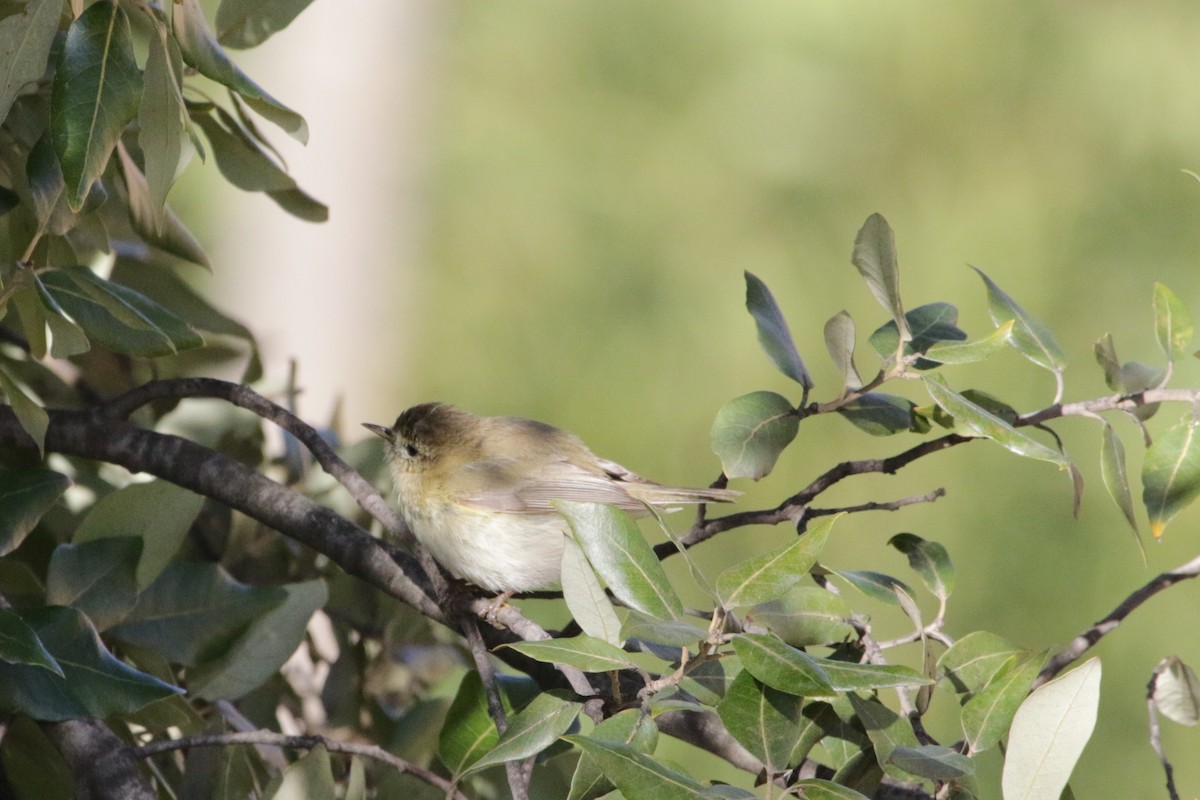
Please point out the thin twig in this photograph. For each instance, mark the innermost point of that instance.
(1086, 640)
(307, 742)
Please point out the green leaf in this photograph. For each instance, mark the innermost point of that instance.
(874, 257)
(194, 611)
(1172, 322)
(629, 727)
(879, 414)
(948, 352)
(157, 512)
(95, 577)
(821, 789)
(781, 666)
(1029, 336)
(532, 730)
(25, 39)
(585, 596)
(987, 715)
(200, 50)
(162, 119)
(157, 225)
(33, 418)
(671, 633)
(583, 652)
(261, 650)
(1106, 357)
(929, 560)
(1049, 732)
(751, 431)
(1176, 691)
(806, 615)
(928, 325)
(619, 553)
(767, 576)
(118, 317)
(94, 683)
(934, 762)
(97, 88)
(637, 775)
(974, 660)
(839, 341)
(773, 333)
(25, 495)
(249, 23)
(765, 721)
(1116, 480)
(468, 731)
(308, 778)
(19, 644)
(1171, 474)
(875, 585)
(67, 338)
(988, 425)
(845, 676)
(886, 729)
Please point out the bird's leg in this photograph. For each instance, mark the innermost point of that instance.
(498, 602)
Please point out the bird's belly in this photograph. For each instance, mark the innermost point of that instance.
(496, 551)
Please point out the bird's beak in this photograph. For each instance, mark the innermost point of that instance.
(385, 433)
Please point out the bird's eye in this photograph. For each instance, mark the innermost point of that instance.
(410, 450)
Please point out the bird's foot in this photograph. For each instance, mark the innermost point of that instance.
(493, 609)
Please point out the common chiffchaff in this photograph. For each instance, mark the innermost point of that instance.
(477, 491)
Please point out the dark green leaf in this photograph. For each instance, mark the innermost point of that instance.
(261, 650)
(879, 414)
(874, 257)
(1106, 357)
(928, 324)
(845, 676)
(806, 615)
(1116, 480)
(531, 730)
(671, 633)
(25, 39)
(767, 576)
(821, 789)
(886, 729)
(157, 225)
(619, 553)
(33, 315)
(95, 577)
(1176, 691)
(468, 731)
(875, 584)
(583, 652)
(637, 775)
(25, 496)
(773, 333)
(33, 418)
(300, 204)
(765, 721)
(751, 431)
(987, 715)
(1172, 322)
(839, 341)
(629, 727)
(1049, 733)
(200, 50)
(249, 23)
(162, 119)
(929, 560)
(95, 684)
(67, 338)
(984, 423)
(1029, 336)
(20, 645)
(194, 611)
(97, 88)
(781, 666)
(1171, 474)
(932, 761)
(117, 317)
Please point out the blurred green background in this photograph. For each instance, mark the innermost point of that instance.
(591, 179)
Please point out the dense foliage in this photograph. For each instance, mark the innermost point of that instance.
(152, 629)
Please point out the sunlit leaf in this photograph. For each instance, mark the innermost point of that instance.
(805, 615)
(987, 715)
(934, 762)
(874, 257)
(1171, 474)
(637, 775)
(25, 39)
(879, 414)
(1029, 336)
(886, 729)
(875, 585)
(984, 423)
(669, 633)
(621, 556)
(1116, 480)
(25, 496)
(821, 789)
(532, 730)
(949, 352)
(97, 88)
(773, 333)
(162, 118)
(585, 596)
(629, 727)
(583, 652)
(751, 431)
(1172, 322)
(839, 341)
(929, 560)
(1176, 691)
(765, 721)
(1049, 732)
(781, 666)
(928, 325)
(976, 658)
(767, 576)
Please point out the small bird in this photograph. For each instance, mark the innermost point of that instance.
(478, 492)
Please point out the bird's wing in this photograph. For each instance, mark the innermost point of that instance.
(495, 486)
